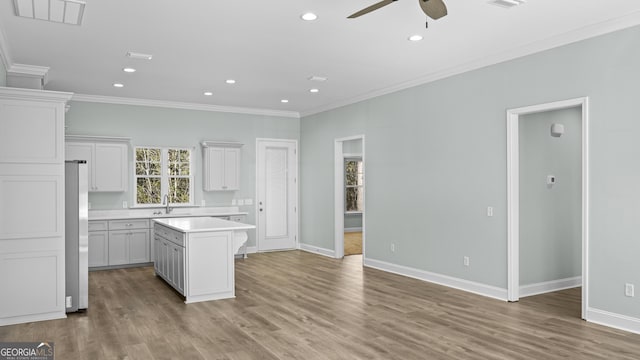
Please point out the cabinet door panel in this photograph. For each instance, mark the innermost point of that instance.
(139, 246)
(215, 169)
(231, 169)
(179, 268)
(156, 264)
(110, 167)
(98, 248)
(82, 151)
(118, 247)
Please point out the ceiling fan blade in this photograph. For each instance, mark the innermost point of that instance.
(434, 9)
(369, 9)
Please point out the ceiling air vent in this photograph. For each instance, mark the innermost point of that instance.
(60, 11)
(506, 3)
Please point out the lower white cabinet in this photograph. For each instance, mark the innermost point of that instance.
(169, 263)
(98, 248)
(118, 242)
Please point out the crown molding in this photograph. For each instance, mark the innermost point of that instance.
(182, 105)
(580, 34)
(5, 56)
(34, 94)
(28, 70)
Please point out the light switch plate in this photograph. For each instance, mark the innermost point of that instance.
(489, 211)
(248, 201)
(233, 202)
(240, 202)
(629, 290)
(125, 205)
(203, 203)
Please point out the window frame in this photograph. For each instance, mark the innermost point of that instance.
(346, 187)
(164, 176)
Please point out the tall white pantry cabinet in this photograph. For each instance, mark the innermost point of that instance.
(32, 243)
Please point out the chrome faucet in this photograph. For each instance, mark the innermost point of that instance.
(168, 209)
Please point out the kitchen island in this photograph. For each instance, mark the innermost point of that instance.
(195, 255)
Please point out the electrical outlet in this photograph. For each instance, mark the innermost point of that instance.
(234, 202)
(240, 202)
(489, 211)
(125, 205)
(393, 247)
(68, 302)
(465, 261)
(248, 201)
(629, 290)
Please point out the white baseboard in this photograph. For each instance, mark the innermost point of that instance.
(252, 249)
(317, 250)
(613, 320)
(32, 318)
(550, 286)
(460, 284)
(353, 229)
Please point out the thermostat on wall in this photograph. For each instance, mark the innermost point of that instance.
(551, 179)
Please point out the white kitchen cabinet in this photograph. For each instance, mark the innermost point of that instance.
(221, 166)
(118, 247)
(98, 248)
(107, 160)
(118, 242)
(139, 246)
(32, 185)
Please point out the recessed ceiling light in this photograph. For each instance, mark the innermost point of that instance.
(129, 70)
(208, 93)
(140, 56)
(284, 101)
(314, 90)
(118, 85)
(309, 16)
(230, 81)
(415, 38)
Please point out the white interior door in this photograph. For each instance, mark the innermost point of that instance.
(277, 194)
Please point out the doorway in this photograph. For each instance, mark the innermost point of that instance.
(550, 181)
(277, 194)
(349, 200)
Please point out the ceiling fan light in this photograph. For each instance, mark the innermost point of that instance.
(507, 4)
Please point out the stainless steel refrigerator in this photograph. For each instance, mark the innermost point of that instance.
(76, 235)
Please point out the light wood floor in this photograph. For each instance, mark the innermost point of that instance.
(296, 305)
(353, 243)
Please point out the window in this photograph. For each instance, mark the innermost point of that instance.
(354, 185)
(160, 172)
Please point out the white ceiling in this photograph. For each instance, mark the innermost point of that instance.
(271, 53)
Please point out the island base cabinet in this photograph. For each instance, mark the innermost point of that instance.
(170, 263)
(210, 266)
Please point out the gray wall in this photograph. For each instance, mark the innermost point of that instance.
(182, 128)
(550, 216)
(3, 74)
(352, 221)
(436, 158)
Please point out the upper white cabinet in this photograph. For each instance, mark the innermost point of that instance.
(107, 160)
(221, 165)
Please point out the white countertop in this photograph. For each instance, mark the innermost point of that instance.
(148, 213)
(202, 224)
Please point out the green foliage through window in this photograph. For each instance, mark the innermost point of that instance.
(354, 185)
(161, 171)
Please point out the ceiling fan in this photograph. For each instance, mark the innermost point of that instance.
(434, 9)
